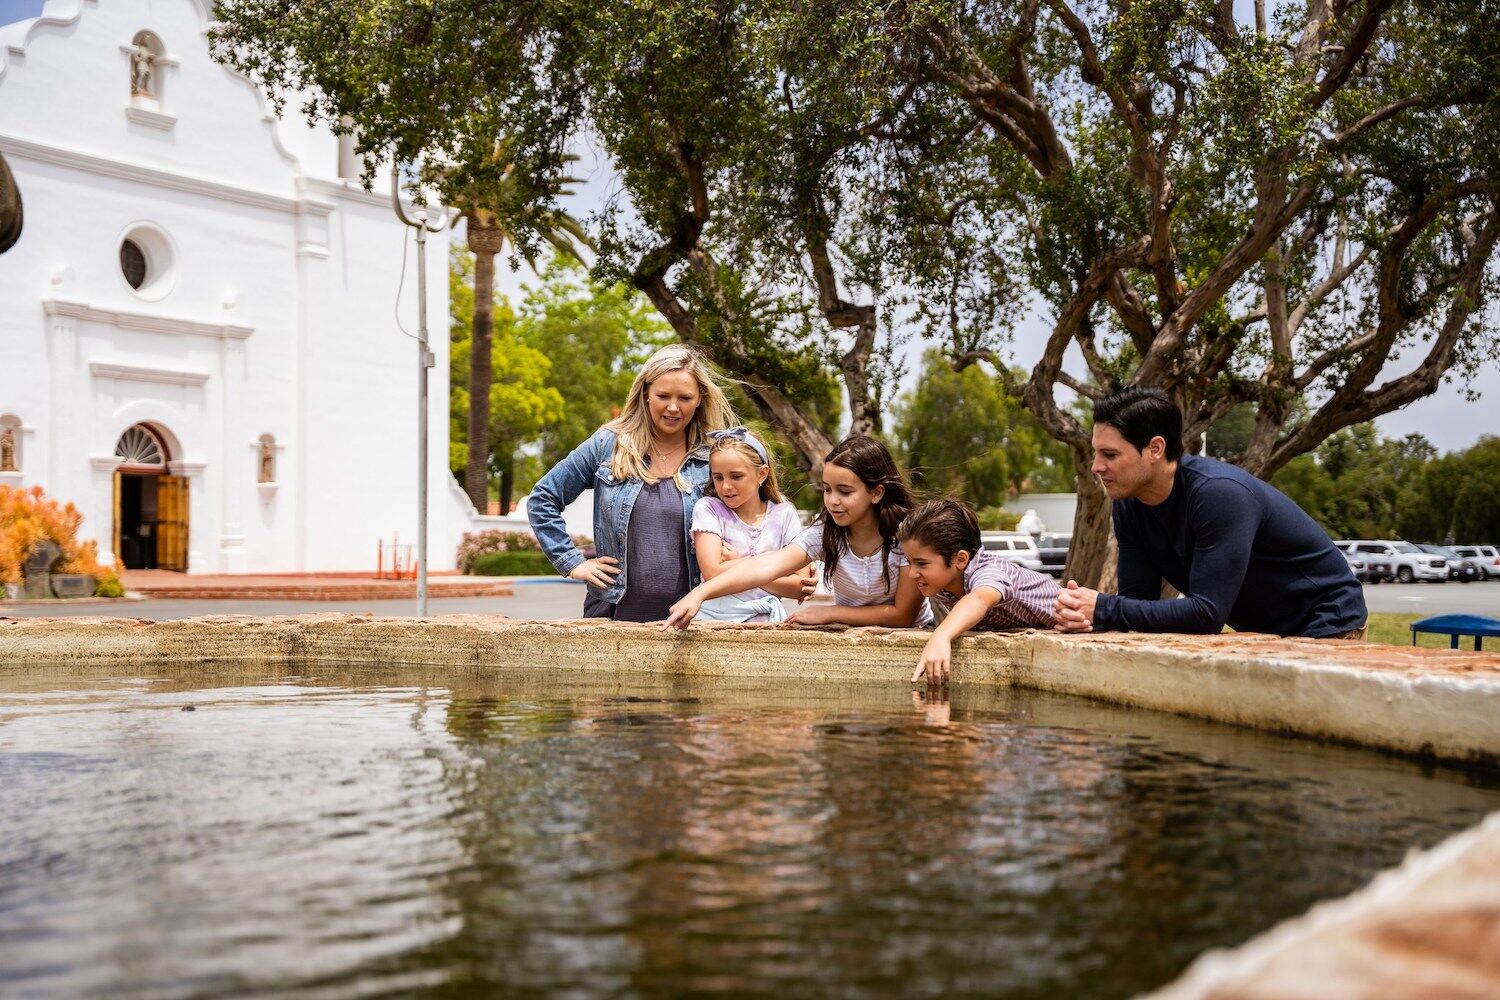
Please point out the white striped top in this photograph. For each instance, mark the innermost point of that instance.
(861, 581)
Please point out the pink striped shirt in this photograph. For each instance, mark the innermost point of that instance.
(1026, 596)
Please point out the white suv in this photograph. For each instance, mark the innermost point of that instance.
(1016, 546)
(1409, 562)
(1485, 555)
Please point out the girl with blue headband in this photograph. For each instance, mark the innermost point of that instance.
(865, 498)
(745, 516)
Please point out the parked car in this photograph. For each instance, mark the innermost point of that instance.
(1052, 550)
(1376, 568)
(1358, 566)
(1485, 557)
(1016, 546)
(1409, 562)
(1460, 568)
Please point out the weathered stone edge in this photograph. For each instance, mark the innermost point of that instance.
(1422, 929)
(1426, 702)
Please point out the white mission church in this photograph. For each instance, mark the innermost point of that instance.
(198, 335)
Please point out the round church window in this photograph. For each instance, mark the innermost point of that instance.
(133, 263)
(146, 258)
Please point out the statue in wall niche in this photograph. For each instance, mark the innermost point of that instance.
(8, 450)
(267, 462)
(142, 67)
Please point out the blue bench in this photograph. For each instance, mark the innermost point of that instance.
(1454, 626)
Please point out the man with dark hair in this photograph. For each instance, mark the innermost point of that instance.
(1240, 552)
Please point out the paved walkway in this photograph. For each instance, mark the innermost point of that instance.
(531, 600)
(163, 584)
(1435, 598)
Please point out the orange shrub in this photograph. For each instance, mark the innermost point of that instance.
(28, 517)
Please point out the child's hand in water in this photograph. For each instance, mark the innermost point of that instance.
(682, 612)
(818, 614)
(936, 661)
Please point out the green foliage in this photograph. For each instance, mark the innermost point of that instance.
(523, 399)
(955, 165)
(109, 585)
(480, 543)
(962, 435)
(1359, 485)
(1230, 434)
(511, 564)
(594, 336)
(1456, 497)
(997, 519)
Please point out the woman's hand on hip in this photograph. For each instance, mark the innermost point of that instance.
(600, 572)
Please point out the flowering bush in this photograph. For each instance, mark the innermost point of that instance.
(478, 543)
(28, 517)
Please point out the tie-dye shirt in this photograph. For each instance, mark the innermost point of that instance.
(777, 529)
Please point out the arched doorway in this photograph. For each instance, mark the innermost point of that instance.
(151, 504)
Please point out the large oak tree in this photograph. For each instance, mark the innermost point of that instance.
(1296, 213)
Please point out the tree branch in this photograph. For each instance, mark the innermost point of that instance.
(1268, 224)
(1037, 393)
(842, 314)
(1351, 403)
(1354, 50)
(1009, 106)
(1327, 287)
(1372, 119)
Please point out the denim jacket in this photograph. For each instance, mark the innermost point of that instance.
(587, 467)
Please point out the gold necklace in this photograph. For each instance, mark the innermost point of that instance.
(661, 456)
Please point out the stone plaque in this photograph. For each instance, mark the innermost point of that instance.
(38, 570)
(72, 585)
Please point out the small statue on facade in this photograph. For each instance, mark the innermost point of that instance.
(8, 450)
(267, 462)
(142, 66)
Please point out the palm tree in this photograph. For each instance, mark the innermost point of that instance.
(490, 221)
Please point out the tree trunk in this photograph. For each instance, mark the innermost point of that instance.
(1092, 536)
(485, 242)
(507, 486)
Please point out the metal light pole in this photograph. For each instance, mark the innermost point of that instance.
(425, 360)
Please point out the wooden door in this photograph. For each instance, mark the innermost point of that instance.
(116, 547)
(172, 523)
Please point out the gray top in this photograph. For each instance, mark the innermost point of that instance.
(655, 554)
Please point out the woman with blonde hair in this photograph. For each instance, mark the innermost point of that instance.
(648, 467)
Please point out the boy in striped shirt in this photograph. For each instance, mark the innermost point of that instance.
(979, 590)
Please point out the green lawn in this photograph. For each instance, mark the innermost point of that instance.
(1395, 629)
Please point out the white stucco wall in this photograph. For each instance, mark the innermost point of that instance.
(278, 317)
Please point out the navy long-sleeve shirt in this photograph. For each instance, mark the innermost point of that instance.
(1240, 551)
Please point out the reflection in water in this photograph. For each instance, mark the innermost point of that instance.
(404, 832)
